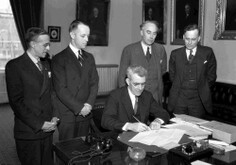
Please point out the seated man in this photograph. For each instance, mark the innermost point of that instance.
(123, 112)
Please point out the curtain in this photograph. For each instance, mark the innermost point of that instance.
(27, 13)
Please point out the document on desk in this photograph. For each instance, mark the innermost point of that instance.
(179, 118)
(160, 138)
(190, 129)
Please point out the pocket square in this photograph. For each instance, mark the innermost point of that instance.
(205, 61)
(49, 74)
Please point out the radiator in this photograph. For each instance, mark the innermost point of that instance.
(108, 75)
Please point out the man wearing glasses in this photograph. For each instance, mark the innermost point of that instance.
(129, 107)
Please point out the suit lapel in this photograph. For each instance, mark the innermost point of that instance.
(34, 72)
(45, 78)
(199, 59)
(142, 107)
(127, 103)
(73, 61)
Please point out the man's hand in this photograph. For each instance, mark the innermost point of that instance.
(55, 120)
(137, 127)
(48, 126)
(155, 125)
(85, 110)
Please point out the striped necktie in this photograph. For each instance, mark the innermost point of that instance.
(40, 66)
(80, 57)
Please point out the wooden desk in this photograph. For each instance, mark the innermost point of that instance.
(69, 149)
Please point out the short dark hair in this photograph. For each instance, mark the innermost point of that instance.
(192, 27)
(153, 22)
(74, 25)
(33, 33)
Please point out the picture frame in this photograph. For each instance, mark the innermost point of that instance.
(95, 13)
(156, 10)
(225, 23)
(183, 13)
(54, 33)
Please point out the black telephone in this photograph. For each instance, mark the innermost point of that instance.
(100, 146)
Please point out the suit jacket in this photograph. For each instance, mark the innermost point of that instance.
(119, 109)
(133, 55)
(29, 93)
(74, 85)
(206, 74)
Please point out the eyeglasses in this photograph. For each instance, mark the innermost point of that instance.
(136, 85)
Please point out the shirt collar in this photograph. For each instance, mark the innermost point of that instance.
(144, 46)
(131, 95)
(33, 58)
(74, 49)
(194, 51)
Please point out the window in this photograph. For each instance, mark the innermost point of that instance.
(10, 45)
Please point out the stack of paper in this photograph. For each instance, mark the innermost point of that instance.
(221, 131)
(190, 129)
(165, 138)
(179, 118)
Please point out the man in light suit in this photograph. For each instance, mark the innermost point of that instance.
(192, 72)
(28, 80)
(124, 113)
(155, 62)
(75, 80)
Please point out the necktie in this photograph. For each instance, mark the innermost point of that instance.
(190, 57)
(80, 58)
(148, 54)
(40, 66)
(136, 105)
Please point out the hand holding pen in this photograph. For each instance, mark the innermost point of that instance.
(138, 127)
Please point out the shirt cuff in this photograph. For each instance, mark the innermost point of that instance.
(159, 120)
(87, 104)
(124, 128)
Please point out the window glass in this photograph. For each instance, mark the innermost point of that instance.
(10, 45)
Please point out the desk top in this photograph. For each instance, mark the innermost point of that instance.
(69, 150)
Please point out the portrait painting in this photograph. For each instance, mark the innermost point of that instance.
(184, 13)
(95, 13)
(230, 23)
(155, 10)
(225, 23)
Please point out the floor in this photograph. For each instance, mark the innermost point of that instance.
(8, 155)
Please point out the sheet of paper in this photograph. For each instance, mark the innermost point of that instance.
(199, 162)
(159, 137)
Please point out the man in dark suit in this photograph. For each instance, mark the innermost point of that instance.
(192, 72)
(148, 54)
(129, 107)
(75, 80)
(29, 91)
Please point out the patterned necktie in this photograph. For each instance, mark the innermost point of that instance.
(80, 58)
(148, 54)
(190, 57)
(39, 63)
(136, 105)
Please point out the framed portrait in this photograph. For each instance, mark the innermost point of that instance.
(225, 24)
(183, 13)
(157, 10)
(95, 13)
(54, 33)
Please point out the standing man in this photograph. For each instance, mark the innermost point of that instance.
(129, 107)
(75, 80)
(192, 72)
(150, 55)
(28, 79)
